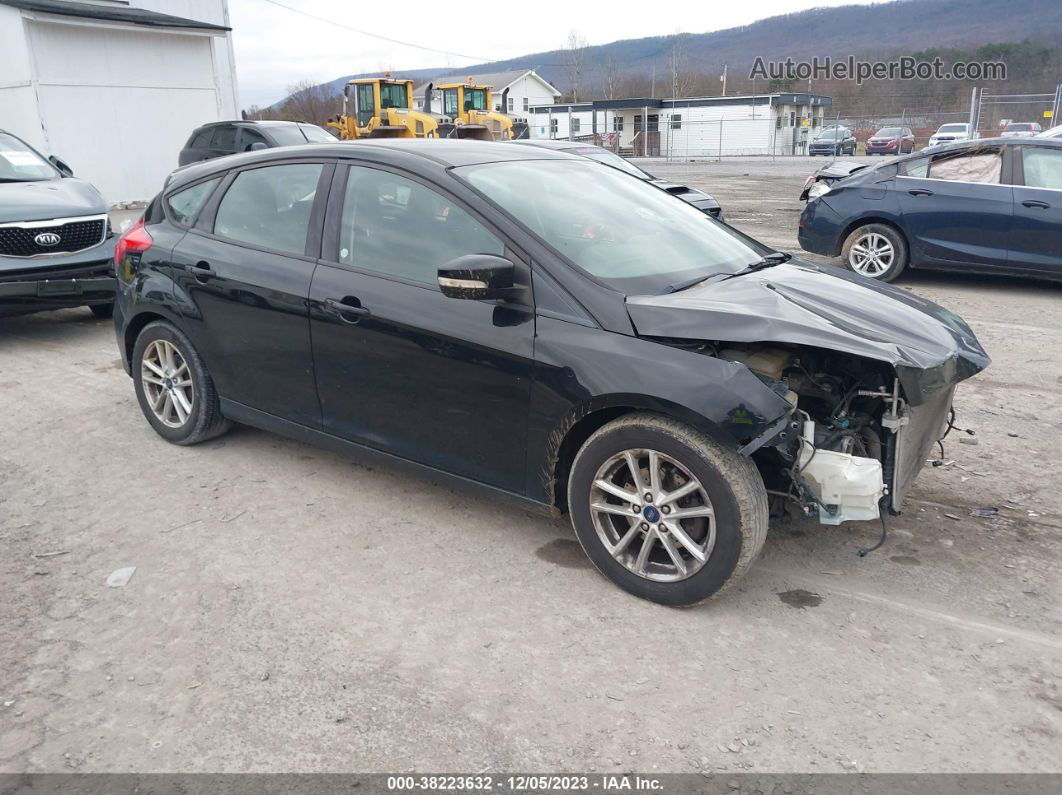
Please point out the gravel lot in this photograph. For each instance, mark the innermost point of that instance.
(293, 610)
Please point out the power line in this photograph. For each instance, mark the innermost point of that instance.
(376, 35)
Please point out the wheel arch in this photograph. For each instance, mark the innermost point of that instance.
(136, 324)
(582, 421)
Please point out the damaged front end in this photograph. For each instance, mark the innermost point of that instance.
(869, 373)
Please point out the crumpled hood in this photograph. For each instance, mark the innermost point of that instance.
(803, 304)
(47, 199)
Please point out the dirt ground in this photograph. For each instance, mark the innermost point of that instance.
(292, 610)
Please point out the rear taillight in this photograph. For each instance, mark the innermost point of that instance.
(136, 240)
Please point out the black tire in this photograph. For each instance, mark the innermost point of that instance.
(204, 421)
(102, 311)
(730, 480)
(900, 259)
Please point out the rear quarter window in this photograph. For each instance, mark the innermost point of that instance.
(200, 140)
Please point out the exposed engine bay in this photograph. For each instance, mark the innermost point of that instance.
(849, 448)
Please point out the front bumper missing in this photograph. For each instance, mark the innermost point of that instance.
(924, 426)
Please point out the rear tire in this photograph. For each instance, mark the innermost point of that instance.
(173, 387)
(690, 558)
(876, 251)
(102, 311)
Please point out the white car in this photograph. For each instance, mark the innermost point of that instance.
(1021, 129)
(1051, 132)
(946, 133)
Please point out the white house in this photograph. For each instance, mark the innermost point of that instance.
(689, 128)
(526, 89)
(115, 88)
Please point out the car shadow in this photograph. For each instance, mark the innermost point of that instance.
(56, 326)
(1013, 284)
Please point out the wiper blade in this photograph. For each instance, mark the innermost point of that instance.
(777, 258)
(674, 288)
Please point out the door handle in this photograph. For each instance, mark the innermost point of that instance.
(920, 192)
(1040, 205)
(201, 271)
(349, 309)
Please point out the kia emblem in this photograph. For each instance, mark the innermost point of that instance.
(47, 239)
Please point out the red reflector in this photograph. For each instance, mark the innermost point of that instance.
(135, 240)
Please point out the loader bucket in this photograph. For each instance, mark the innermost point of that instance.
(475, 132)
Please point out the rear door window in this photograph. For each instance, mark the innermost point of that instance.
(248, 137)
(270, 207)
(1042, 167)
(982, 167)
(184, 205)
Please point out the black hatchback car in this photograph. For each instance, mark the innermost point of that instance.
(56, 245)
(992, 206)
(542, 327)
(221, 138)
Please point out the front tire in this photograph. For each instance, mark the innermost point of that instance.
(173, 387)
(876, 251)
(665, 511)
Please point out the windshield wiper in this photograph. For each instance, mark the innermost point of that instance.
(777, 258)
(674, 288)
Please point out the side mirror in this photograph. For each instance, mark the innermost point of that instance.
(64, 169)
(477, 277)
(257, 146)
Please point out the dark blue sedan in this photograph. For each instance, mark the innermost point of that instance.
(992, 205)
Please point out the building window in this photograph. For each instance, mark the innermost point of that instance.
(525, 103)
(676, 121)
(814, 121)
(638, 123)
(511, 105)
(575, 126)
(654, 122)
(552, 126)
(778, 122)
(617, 124)
(792, 118)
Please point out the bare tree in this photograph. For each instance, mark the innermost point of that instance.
(611, 76)
(682, 80)
(576, 47)
(310, 102)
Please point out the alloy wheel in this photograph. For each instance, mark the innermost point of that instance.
(652, 515)
(167, 382)
(872, 255)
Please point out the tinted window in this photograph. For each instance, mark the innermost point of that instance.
(201, 140)
(1043, 167)
(224, 138)
(270, 207)
(249, 137)
(185, 204)
(398, 227)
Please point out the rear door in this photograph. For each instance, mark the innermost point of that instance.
(956, 211)
(400, 367)
(243, 276)
(223, 140)
(1036, 237)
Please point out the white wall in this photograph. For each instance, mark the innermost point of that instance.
(527, 87)
(18, 103)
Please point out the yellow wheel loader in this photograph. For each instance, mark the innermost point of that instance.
(469, 105)
(379, 107)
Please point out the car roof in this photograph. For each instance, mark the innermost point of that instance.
(557, 145)
(425, 152)
(256, 122)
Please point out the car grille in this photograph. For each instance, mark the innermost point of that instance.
(19, 240)
(83, 270)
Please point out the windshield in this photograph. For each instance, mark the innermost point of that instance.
(622, 231)
(476, 98)
(315, 134)
(890, 132)
(19, 163)
(949, 128)
(831, 135)
(609, 159)
(1019, 127)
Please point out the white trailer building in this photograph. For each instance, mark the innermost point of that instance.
(115, 88)
(689, 128)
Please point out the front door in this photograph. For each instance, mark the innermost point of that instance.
(955, 210)
(1036, 238)
(243, 276)
(402, 368)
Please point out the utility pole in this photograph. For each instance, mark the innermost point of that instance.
(723, 80)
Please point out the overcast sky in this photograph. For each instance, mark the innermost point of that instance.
(276, 47)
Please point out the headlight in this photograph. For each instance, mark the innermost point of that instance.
(818, 189)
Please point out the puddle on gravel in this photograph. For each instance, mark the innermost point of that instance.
(800, 598)
(564, 552)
